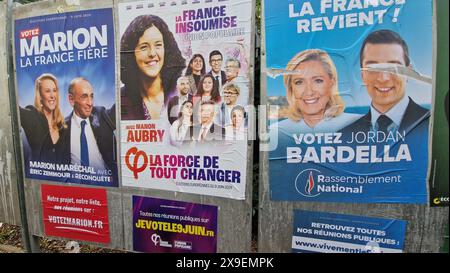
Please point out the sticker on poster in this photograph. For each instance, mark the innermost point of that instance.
(65, 75)
(166, 226)
(185, 75)
(75, 213)
(320, 232)
(351, 97)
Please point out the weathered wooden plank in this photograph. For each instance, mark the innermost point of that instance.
(425, 230)
(9, 208)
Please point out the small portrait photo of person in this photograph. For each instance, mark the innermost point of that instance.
(174, 105)
(215, 62)
(232, 69)
(231, 94)
(195, 70)
(236, 130)
(43, 123)
(151, 63)
(207, 130)
(313, 96)
(181, 129)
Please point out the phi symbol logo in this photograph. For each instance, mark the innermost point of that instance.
(305, 183)
(156, 239)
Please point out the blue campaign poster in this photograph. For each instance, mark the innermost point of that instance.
(350, 95)
(320, 232)
(65, 76)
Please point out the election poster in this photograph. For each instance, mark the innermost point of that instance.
(350, 95)
(75, 213)
(439, 182)
(65, 78)
(320, 232)
(185, 87)
(166, 226)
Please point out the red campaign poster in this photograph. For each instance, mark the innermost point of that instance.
(75, 213)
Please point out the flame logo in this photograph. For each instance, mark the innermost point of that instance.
(309, 183)
(305, 183)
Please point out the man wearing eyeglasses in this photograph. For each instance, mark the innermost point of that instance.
(215, 61)
(231, 94)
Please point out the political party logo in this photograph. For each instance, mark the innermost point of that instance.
(305, 183)
(156, 239)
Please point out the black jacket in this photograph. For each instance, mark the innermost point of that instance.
(414, 116)
(35, 126)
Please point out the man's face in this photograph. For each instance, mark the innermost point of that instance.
(231, 70)
(230, 96)
(82, 99)
(385, 89)
(206, 113)
(183, 86)
(216, 63)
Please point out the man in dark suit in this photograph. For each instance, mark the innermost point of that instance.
(391, 109)
(215, 61)
(207, 130)
(173, 107)
(90, 139)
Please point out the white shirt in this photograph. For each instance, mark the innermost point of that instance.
(233, 134)
(396, 114)
(95, 158)
(178, 133)
(219, 79)
(181, 99)
(205, 129)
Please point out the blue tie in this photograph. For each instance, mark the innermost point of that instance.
(84, 146)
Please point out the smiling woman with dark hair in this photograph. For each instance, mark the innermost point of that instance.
(195, 70)
(151, 63)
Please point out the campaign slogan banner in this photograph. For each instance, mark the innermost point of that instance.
(439, 183)
(166, 226)
(320, 232)
(185, 74)
(350, 95)
(65, 76)
(75, 213)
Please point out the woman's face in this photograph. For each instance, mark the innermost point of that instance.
(49, 95)
(149, 52)
(187, 110)
(311, 88)
(197, 64)
(208, 84)
(237, 119)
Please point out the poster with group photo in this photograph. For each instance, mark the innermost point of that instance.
(65, 76)
(351, 94)
(184, 74)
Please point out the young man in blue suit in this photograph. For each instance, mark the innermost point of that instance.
(391, 109)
